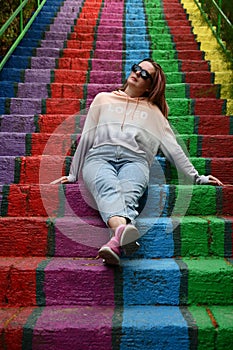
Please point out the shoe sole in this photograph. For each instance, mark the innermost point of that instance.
(128, 240)
(109, 257)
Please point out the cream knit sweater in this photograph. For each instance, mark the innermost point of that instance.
(114, 118)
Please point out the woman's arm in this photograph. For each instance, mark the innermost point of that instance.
(85, 143)
(175, 154)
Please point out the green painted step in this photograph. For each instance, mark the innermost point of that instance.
(215, 326)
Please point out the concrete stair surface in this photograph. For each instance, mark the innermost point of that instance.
(176, 291)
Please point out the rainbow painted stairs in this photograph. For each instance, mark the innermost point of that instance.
(176, 292)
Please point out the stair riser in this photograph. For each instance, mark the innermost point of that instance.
(25, 170)
(47, 200)
(86, 282)
(19, 144)
(72, 237)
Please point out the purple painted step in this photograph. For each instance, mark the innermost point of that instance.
(37, 75)
(58, 27)
(17, 123)
(25, 106)
(12, 144)
(93, 89)
(48, 52)
(43, 62)
(80, 237)
(74, 327)
(7, 167)
(78, 281)
(32, 90)
(107, 65)
(52, 43)
(113, 78)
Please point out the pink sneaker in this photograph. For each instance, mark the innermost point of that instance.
(127, 236)
(110, 252)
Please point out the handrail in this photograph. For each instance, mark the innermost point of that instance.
(23, 30)
(221, 16)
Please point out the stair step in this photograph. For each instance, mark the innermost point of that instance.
(178, 106)
(77, 63)
(47, 75)
(52, 200)
(26, 170)
(85, 281)
(73, 237)
(210, 125)
(39, 89)
(61, 327)
(21, 144)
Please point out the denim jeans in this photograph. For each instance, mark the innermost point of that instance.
(117, 178)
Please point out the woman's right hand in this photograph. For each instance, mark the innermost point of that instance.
(61, 180)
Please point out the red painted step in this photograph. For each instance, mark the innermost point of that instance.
(210, 146)
(203, 106)
(197, 77)
(214, 124)
(201, 90)
(194, 66)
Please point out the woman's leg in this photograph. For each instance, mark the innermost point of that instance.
(115, 221)
(101, 179)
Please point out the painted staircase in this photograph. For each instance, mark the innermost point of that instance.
(177, 291)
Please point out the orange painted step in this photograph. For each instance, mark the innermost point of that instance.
(79, 44)
(71, 90)
(74, 53)
(33, 168)
(48, 123)
(79, 64)
(70, 77)
(62, 106)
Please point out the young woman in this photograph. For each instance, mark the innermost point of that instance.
(122, 134)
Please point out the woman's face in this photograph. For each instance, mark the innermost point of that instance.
(135, 81)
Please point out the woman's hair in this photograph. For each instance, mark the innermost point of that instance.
(156, 95)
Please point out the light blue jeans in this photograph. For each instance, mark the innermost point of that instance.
(117, 178)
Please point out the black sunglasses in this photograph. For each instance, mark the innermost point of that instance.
(143, 73)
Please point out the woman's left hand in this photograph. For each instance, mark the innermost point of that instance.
(214, 181)
(61, 180)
